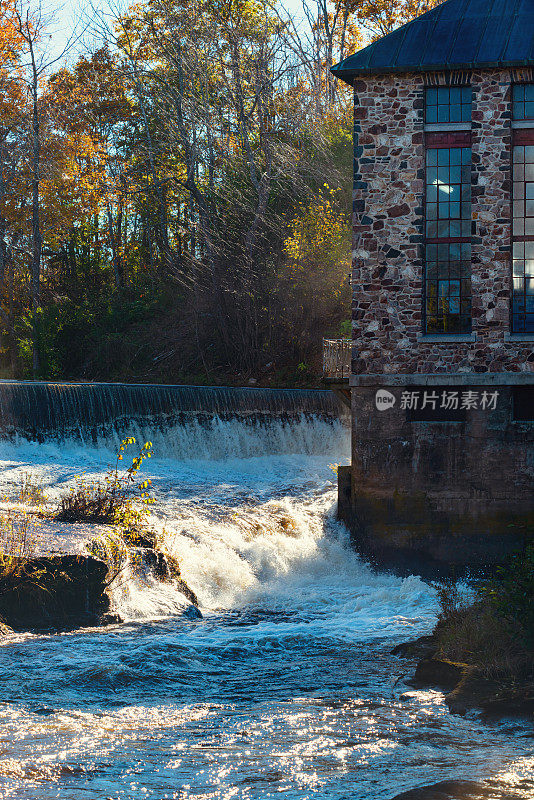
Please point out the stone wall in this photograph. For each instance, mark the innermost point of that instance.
(438, 497)
(388, 222)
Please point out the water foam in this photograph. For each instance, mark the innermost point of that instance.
(248, 509)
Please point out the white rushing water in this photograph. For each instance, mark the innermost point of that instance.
(286, 686)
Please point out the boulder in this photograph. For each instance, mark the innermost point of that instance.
(438, 672)
(60, 592)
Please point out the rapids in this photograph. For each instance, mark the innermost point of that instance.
(286, 686)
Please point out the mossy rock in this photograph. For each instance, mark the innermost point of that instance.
(62, 592)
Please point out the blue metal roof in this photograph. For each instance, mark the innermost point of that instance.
(458, 34)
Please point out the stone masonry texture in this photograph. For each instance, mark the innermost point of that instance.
(388, 228)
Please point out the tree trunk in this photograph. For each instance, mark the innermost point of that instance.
(37, 243)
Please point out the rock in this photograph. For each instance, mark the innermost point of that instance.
(165, 568)
(467, 688)
(424, 647)
(192, 612)
(438, 672)
(477, 691)
(182, 587)
(449, 790)
(111, 619)
(135, 538)
(61, 592)
(173, 568)
(150, 560)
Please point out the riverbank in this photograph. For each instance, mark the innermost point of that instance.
(469, 684)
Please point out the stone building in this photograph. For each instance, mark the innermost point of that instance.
(442, 378)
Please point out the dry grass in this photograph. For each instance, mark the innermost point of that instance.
(478, 637)
(90, 501)
(29, 490)
(111, 499)
(471, 631)
(18, 535)
(18, 541)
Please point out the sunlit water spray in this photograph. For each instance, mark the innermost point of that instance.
(286, 686)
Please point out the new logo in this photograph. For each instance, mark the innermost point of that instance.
(384, 400)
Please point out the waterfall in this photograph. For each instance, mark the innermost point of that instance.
(90, 412)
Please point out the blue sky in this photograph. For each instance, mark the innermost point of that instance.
(73, 14)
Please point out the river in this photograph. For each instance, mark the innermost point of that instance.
(285, 688)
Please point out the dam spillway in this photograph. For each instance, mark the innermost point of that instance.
(95, 412)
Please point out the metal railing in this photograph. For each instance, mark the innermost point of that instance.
(337, 354)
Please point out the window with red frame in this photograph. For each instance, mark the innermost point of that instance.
(523, 213)
(448, 235)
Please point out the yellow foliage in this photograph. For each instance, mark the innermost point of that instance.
(319, 246)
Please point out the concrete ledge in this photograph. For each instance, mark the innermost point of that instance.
(519, 337)
(447, 127)
(446, 338)
(447, 379)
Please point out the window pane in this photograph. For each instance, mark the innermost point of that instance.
(523, 251)
(446, 104)
(448, 263)
(432, 193)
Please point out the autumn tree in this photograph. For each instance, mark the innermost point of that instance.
(381, 17)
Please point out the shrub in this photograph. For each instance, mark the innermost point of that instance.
(454, 598)
(18, 535)
(511, 592)
(18, 539)
(478, 636)
(112, 499)
(30, 490)
(492, 625)
(113, 551)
